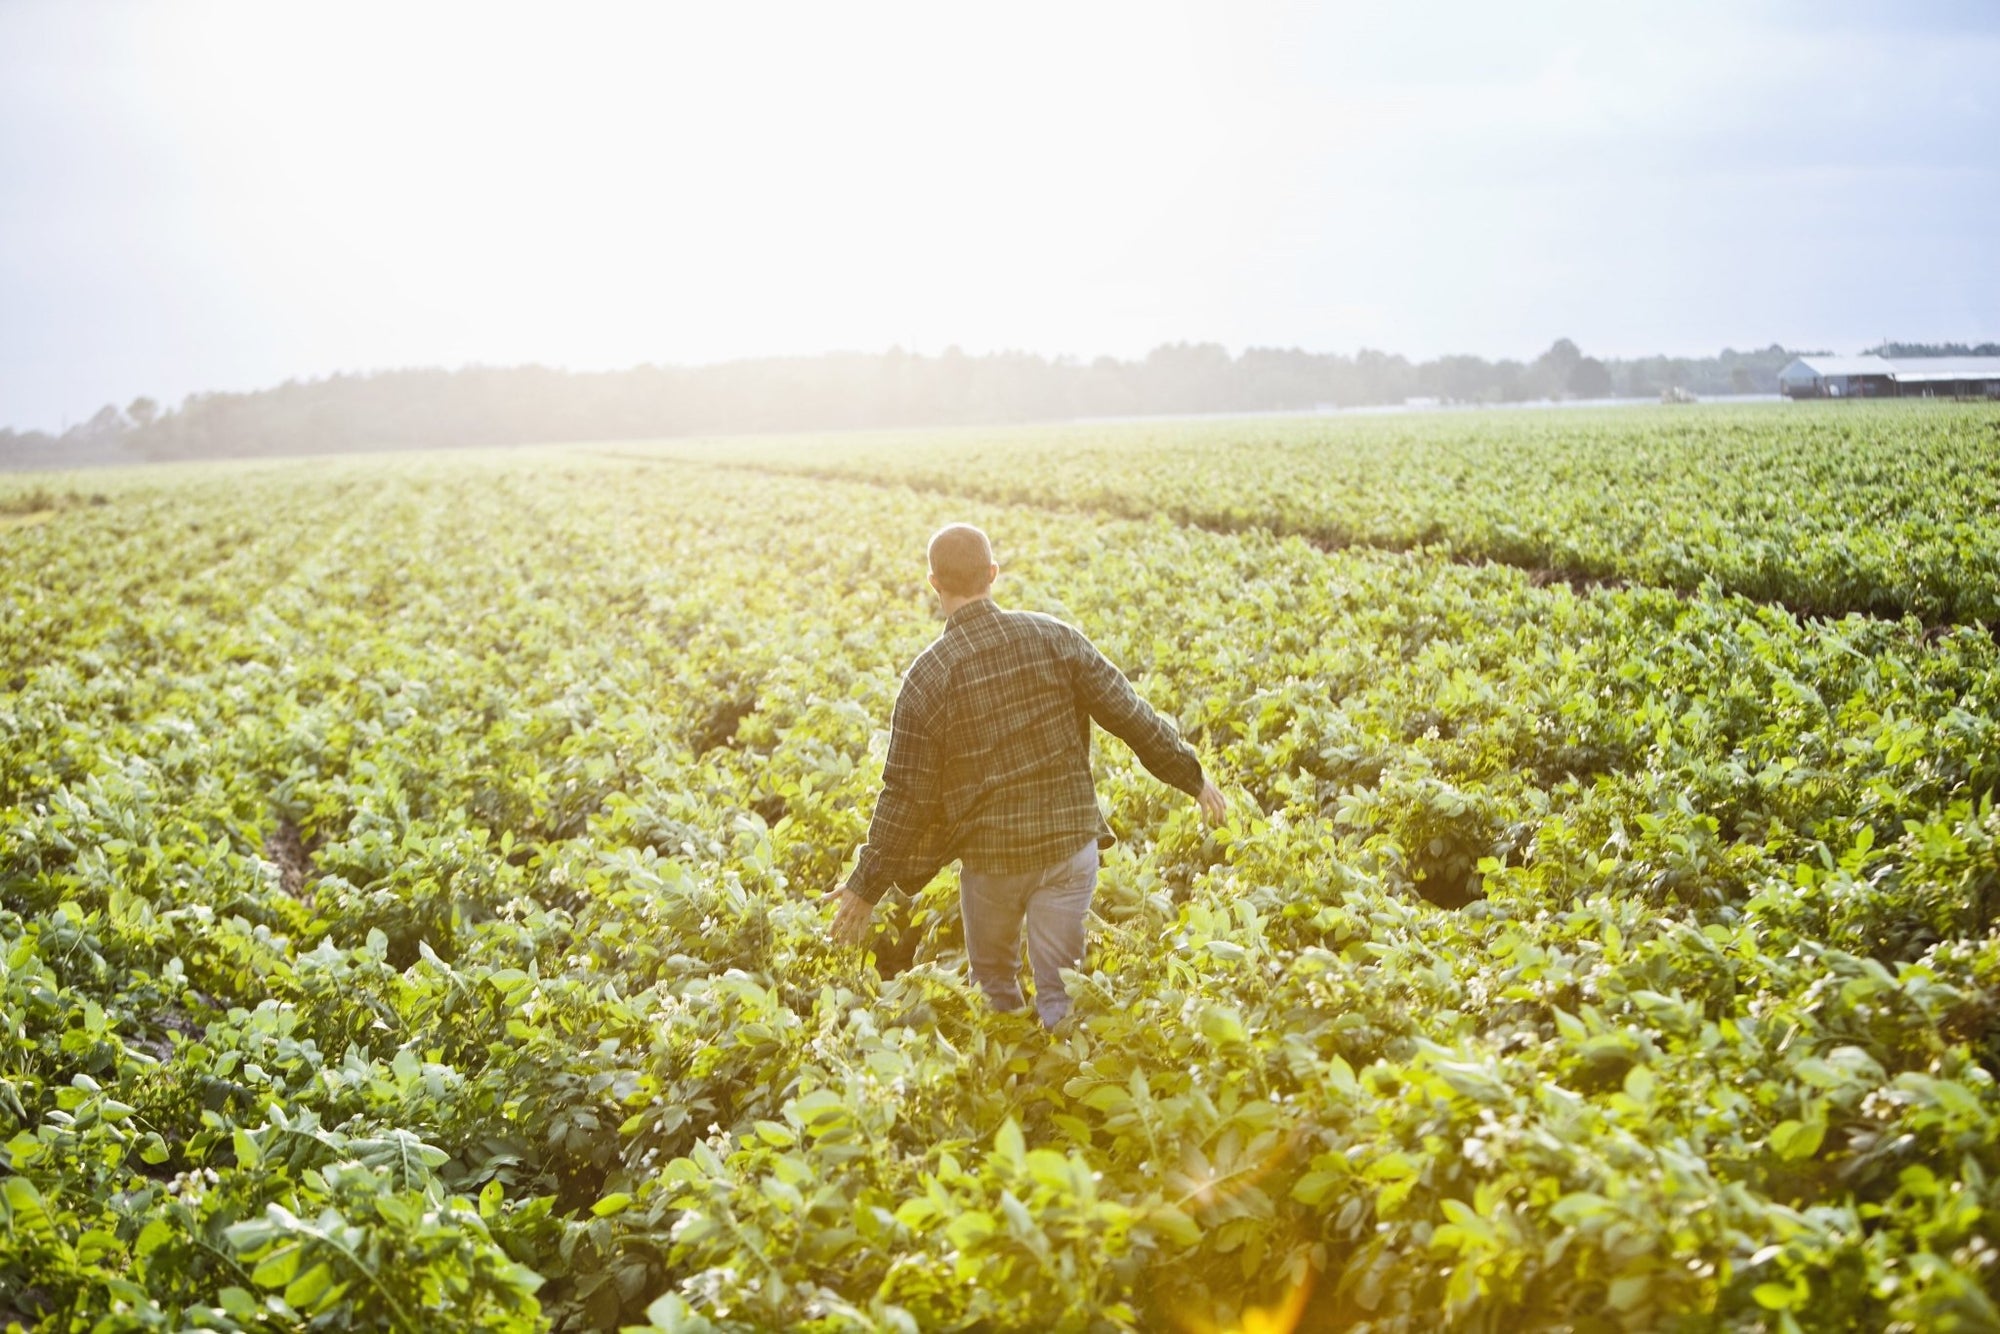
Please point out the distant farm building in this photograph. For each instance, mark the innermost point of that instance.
(1891, 377)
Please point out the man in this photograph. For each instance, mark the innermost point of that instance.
(989, 762)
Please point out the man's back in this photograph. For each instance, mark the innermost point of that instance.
(989, 757)
(1015, 733)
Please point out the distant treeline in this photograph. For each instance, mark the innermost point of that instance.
(404, 409)
(1933, 350)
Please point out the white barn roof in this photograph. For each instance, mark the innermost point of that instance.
(1823, 367)
(1901, 370)
(1917, 370)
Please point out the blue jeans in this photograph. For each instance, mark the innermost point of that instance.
(1054, 903)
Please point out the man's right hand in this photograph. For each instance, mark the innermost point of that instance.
(1213, 808)
(850, 921)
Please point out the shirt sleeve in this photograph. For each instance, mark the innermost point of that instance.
(1118, 709)
(902, 846)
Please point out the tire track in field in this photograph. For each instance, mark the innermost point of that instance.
(1580, 582)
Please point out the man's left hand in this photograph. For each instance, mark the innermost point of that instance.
(1214, 809)
(850, 922)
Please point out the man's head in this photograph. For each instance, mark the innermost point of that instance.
(962, 561)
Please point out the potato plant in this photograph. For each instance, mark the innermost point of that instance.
(408, 917)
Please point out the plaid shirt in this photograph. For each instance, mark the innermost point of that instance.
(989, 751)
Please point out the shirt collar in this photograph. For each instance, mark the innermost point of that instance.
(971, 611)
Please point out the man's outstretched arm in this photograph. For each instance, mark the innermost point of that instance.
(902, 836)
(1117, 708)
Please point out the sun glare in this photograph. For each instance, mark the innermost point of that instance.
(706, 181)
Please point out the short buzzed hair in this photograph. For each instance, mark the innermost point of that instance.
(962, 560)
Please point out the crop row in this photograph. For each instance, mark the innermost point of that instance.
(1884, 509)
(409, 917)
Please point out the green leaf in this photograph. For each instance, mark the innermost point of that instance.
(970, 1228)
(1313, 1188)
(1775, 1296)
(615, 1203)
(302, 1292)
(279, 1267)
(154, 1235)
(1223, 1026)
(773, 1133)
(670, 1311)
(1391, 1167)
(1107, 1098)
(1579, 1207)
(95, 1243)
(24, 1149)
(21, 1196)
(1171, 1223)
(1793, 1140)
(819, 1113)
(1628, 1291)
(1009, 1144)
(401, 1210)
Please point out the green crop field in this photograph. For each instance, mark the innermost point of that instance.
(1884, 508)
(409, 879)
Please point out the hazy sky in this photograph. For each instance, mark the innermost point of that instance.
(207, 195)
